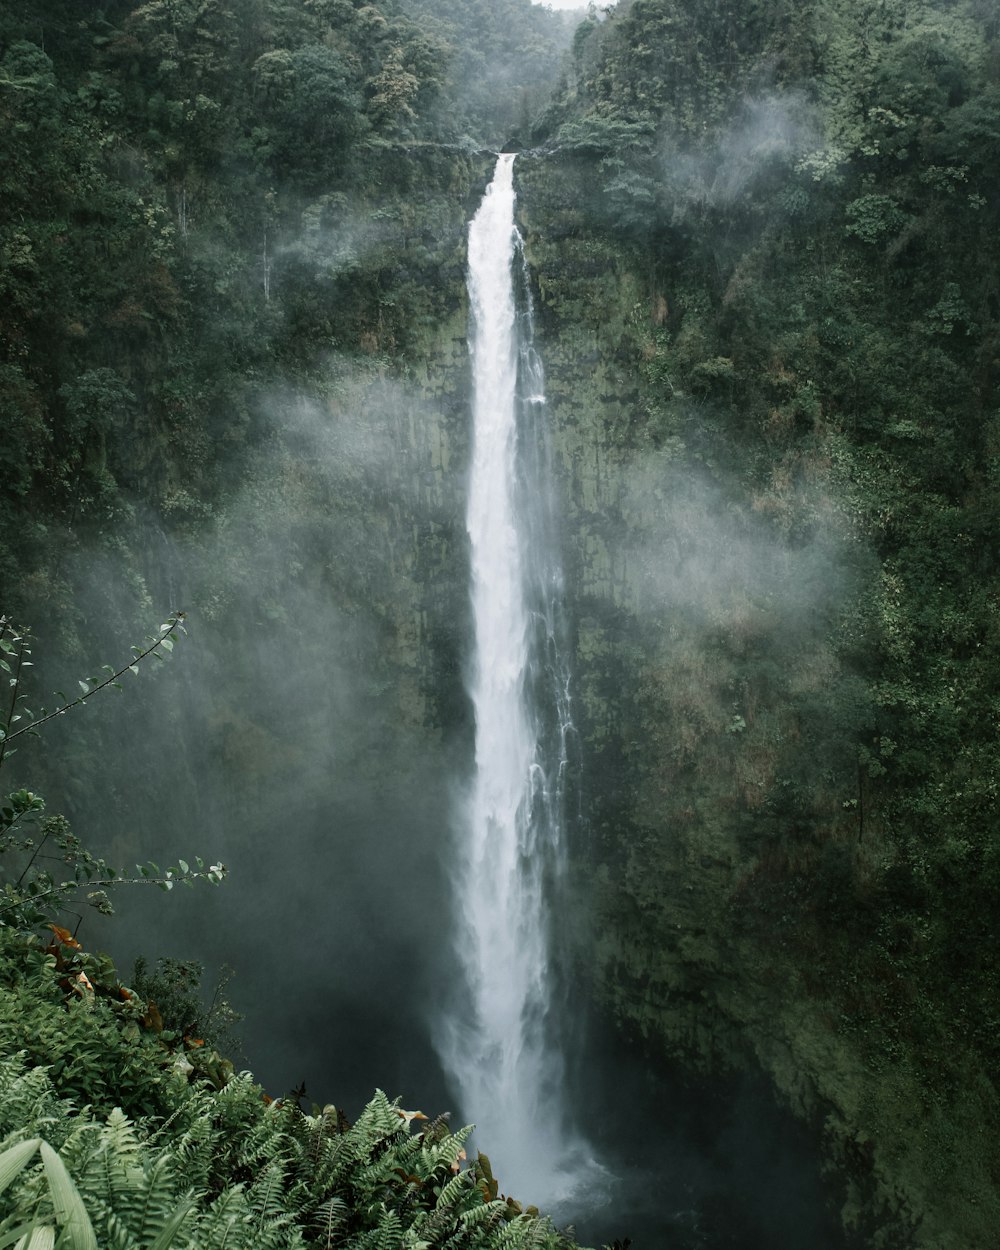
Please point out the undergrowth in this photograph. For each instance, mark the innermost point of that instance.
(120, 1133)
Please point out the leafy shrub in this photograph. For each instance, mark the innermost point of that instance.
(96, 1049)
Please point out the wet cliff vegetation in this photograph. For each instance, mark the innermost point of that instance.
(762, 246)
(233, 379)
(234, 367)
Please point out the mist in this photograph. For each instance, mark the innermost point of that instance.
(701, 549)
(772, 130)
(298, 735)
(312, 732)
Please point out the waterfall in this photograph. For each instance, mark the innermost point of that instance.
(499, 1046)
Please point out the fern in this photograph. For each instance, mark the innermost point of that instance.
(328, 1219)
(258, 1143)
(224, 1225)
(112, 1177)
(191, 1154)
(224, 1172)
(28, 1102)
(487, 1213)
(387, 1235)
(170, 1230)
(462, 1185)
(445, 1151)
(159, 1202)
(272, 1201)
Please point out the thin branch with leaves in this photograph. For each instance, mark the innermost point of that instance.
(31, 894)
(17, 645)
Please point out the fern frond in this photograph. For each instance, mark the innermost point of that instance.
(119, 1137)
(258, 1144)
(436, 1227)
(488, 1214)
(172, 1226)
(443, 1220)
(266, 1197)
(540, 1234)
(328, 1220)
(455, 1190)
(115, 1234)
(157, 1201)
(191, 1155)
(444, 1150)
(225, 1225)
(340, 1156)
(380, 1119)
(28, 1098)
(387, 1235)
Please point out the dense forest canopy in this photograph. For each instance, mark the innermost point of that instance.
(762, 245)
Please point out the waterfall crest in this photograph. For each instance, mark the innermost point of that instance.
(499, 1047)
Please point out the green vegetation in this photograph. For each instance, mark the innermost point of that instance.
(120, 1127)
(123, 1140)
(232, 325)
(32, 892)
(765, 233)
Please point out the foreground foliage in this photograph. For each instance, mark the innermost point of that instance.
(120, 1128)
(117, 1135)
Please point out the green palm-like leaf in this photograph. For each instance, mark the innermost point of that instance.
(78, 1233)
(14, 1160)
(42, 1238)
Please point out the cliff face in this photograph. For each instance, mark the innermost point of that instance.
(742, 858)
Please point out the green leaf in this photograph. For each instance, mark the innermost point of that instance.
(182, 864)
(43, 1237)
(83, 686)
(25, 1230)
(67, 1202)
(14, 1160)
(167, 644)
(172, 1227)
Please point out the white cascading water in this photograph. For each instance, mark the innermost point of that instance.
(499, 1048)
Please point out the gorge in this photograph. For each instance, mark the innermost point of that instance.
(756, 243)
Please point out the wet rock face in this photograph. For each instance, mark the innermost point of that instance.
(720, 859)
